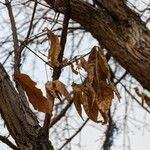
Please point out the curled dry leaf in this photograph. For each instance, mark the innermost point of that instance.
(54, 50)
(143, 96)
(49, 87)
(89, 68)
(147, 99)
(60, 87)
(34, 94)
(57, 87)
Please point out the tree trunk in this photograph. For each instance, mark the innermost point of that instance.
(19, 119)
(119, 30)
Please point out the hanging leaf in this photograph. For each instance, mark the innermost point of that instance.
(93, 113)
(89, 68)
(50, 98)
(49, 87)
(147, 99)
(77, 98)
(103, 66)
(104, 99)
(93, 55)
(54, 50)
(90, 107)
(60, 87)
(34, 94)
(84, 96)
(143, 96)
(57, 87)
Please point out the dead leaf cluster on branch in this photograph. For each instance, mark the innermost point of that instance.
(94, 94)
(53, 89)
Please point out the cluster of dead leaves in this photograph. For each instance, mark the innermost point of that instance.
(144, 97)
(95, 94)
(53, 89)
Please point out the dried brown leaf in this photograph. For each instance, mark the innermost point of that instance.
(147, 99)
(89, 68)
(94, 112)
(88, 101)
(93, 55)
(143, 96)
(77, 98)
(50, 88)
(61, 89)
(54, 50)
(34, 94)
(50, 97)
(104, 99)
(90, 107)
(91, 92)
(103, 66)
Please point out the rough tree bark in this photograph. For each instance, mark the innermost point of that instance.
(20, 120)
(118, 29)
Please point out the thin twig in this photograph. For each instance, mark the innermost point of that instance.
(38, 56)
(75, 134)
(17, 50)
(109, 133)
(134, 98)
(31, 22)
(61, 114)
(15, 37)
(122, 77)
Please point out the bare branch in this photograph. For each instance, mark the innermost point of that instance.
(31, 22)
(7, 142)
(135, 98)
(61, 114)
(75, 134)
(15, 36)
